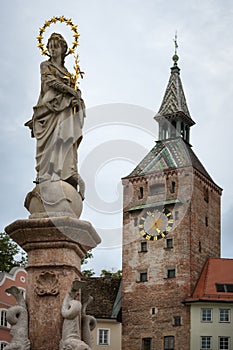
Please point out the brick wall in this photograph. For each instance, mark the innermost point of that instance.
(149, 308)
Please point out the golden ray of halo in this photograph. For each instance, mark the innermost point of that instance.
(54, 20)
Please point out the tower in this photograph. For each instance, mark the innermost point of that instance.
(171, 225)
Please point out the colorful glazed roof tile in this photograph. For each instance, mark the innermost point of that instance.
(215, 282)
(169, 154)
(174, 99)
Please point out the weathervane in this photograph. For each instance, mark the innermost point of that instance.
(71, 50)
(175, 42)
(175, 57)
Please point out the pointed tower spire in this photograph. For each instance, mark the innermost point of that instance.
(173, 116)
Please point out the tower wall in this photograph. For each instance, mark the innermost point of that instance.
(151, 308)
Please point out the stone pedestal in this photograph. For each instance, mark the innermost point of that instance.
(55, 247)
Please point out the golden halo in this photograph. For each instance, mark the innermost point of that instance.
(54, 20)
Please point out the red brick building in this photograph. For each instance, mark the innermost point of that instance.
(16, 277)
(171, 225)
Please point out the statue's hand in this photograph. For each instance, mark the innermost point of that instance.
(75, 93)
(74, 102)
(78, 94)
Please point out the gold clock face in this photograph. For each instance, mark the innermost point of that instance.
(155, 224)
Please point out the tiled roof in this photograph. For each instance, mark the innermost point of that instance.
(217, 271)
(174, 98)
(104, 291)
(169, 154)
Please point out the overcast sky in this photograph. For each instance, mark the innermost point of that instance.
(125, 50)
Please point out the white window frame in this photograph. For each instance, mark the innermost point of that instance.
(202, 310)
(205, 336)
(229, 342)
(3, 344)
(3, 325)
(229, 315)
(99, 342)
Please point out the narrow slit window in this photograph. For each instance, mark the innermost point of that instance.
(206, 195)
(173, 187)
(143, 247)
(169, 243)
(140, 195)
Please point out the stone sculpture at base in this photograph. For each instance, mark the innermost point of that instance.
(17, 316)
(72, 312)
(88, 323)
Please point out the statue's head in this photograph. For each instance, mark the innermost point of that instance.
(59, 40)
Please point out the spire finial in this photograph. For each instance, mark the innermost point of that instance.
(175, 42)
(175, 57)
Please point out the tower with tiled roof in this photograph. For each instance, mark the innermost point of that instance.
(171, 225)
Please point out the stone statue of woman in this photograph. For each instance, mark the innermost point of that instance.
(57, 126)
(58, 118)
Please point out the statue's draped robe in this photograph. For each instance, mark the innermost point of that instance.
(57, 129)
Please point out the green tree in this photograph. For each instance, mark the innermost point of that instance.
(11, 254)
(84, 261)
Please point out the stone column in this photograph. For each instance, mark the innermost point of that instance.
(55, 247)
